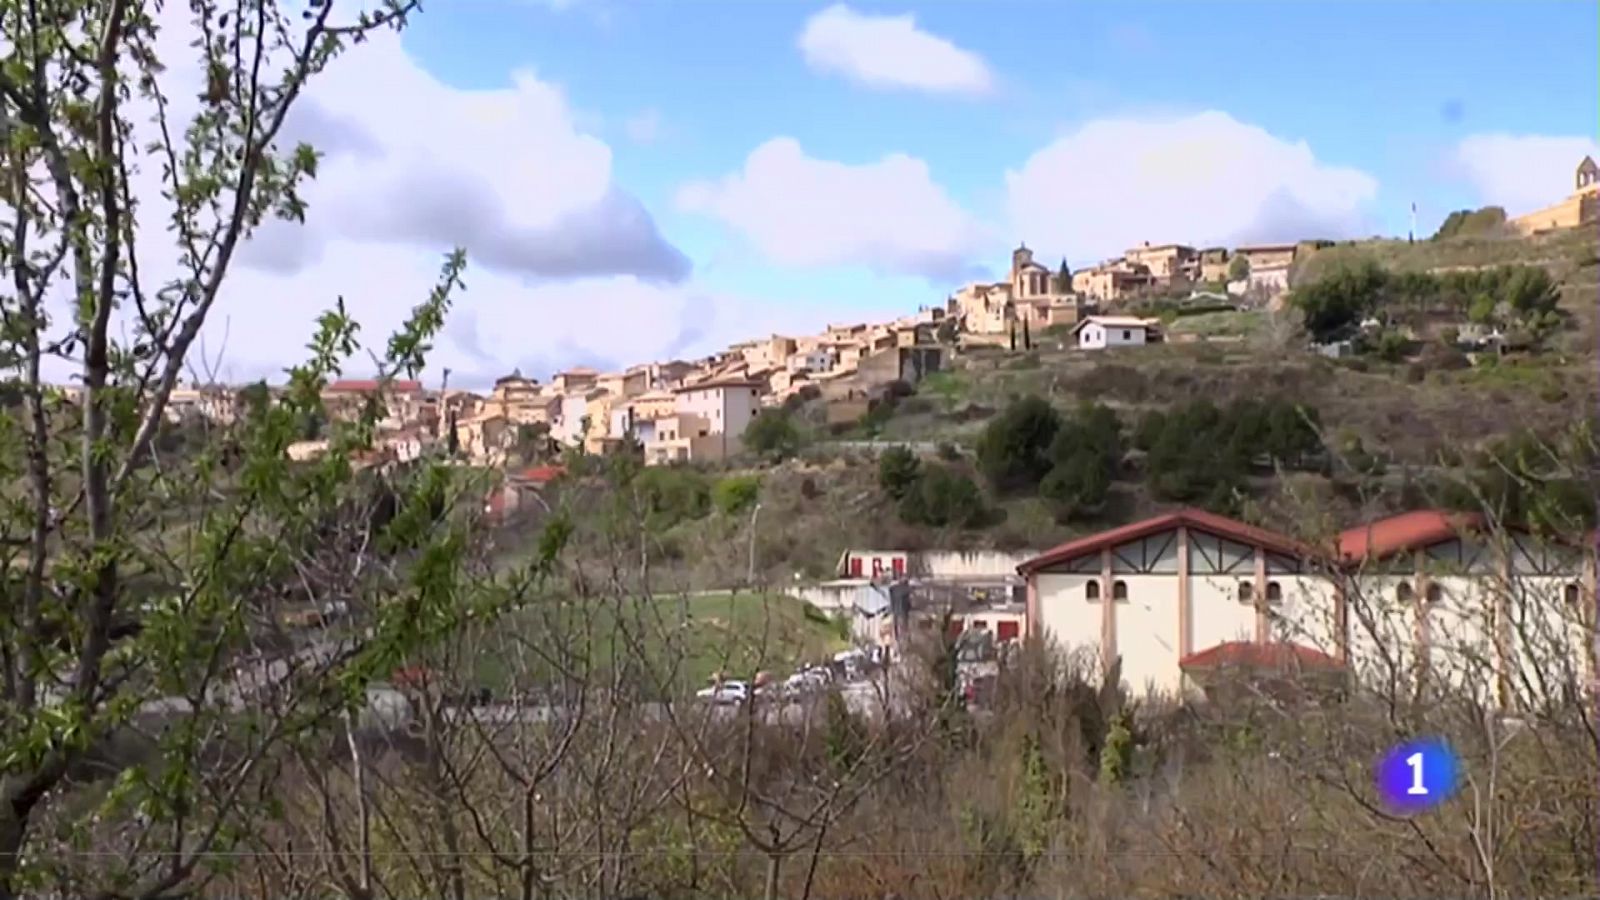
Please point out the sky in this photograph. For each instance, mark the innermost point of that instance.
(644, 179)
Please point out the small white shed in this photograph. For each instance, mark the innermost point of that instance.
(1100, 332)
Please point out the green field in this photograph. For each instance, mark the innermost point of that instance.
(673, 644)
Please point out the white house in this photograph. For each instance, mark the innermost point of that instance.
(1100, 332)
(569, 425)
(815, 360)
(708, 422)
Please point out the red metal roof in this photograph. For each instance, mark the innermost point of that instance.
(1248, 654)
(1406, 531)
(1198, 519)
(368, 385)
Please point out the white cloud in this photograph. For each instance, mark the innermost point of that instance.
(644, 127)
(564, 264)
(1521, 172)
(798, 211)
(890, 52)
(1200, 179)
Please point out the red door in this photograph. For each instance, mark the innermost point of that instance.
(1007, 631)
(899, 565)
(955, 627)
(855, 567)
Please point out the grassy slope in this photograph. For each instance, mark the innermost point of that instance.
(686, 639)
(1414, 421)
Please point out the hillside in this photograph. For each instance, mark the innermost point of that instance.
(1418, 416)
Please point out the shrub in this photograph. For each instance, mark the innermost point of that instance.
(1488, 221)
(736, 493)
(1014, 450)
(943, 497)
(1391, 346)
(773, 434)
(1343, 294)
(1077, 486)
(670, 495)
(898, 471)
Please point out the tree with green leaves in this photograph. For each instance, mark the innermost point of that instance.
(1347, 290)
(773, 434)
(943, 497)
(1014, 450)
(1238, 267)
(898, 471)
(145, 598)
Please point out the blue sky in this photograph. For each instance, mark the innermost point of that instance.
(773, 164)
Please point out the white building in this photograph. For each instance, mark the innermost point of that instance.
(1100, 332)
(571, 423)
(708, 422)
(816, 361)
(1508, 617)
(1158, 591)
(1414, 602)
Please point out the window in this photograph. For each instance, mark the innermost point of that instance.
(1274, 592)
(1571, 594)
(1403, 592)
(1127, 335)
(1119, 591)
(1247, 592)
(1434, 594)
(1091, 591)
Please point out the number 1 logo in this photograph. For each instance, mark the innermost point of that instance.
(1418, 788)
(1417, 775)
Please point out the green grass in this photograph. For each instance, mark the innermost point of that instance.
(1215, 324)
(947, 384)
(677, 642)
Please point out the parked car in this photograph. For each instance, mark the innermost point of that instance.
(727, 693)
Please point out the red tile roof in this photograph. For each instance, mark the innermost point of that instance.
(542, 474)
(368, 385)
(1248, 654)
(1407, 531)
(1189, 517)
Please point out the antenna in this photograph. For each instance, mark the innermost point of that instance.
(1411, 236)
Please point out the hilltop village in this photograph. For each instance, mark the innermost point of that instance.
(681, 411)
(697, 410)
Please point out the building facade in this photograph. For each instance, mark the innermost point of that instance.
(1419, 602)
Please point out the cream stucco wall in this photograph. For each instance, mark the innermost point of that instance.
(1180, 593)
(1147, 632)
(1065, 615)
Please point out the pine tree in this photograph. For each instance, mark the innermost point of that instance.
(1064, 278)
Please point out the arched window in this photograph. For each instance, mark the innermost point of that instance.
(1247, 592)
(1572, 593)
(1403, 592)
(1091, 591)
(1435, 594)
(1119, 590)
(1274, 592)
